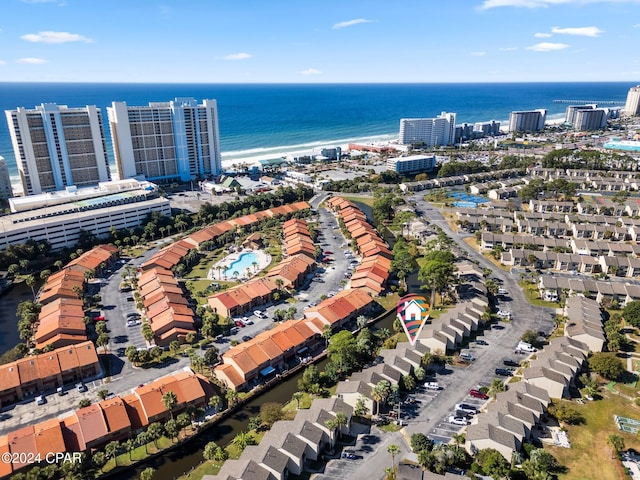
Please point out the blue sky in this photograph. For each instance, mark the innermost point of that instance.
(260, 41)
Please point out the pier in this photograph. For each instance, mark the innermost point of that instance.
(599, 102)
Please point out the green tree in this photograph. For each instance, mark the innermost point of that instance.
(170, 401)
(85, 402)
(616, 443)
(103, 393)
(155, 431)
(492, 463)
(342, 351)
(147, 473)
(243, 439)
(381, 393)
(172, 428)
(297, 396)
(394, 450)
(437, 271)
(210, 450)
(360, 410)
(631, 313)
(111, 451)
(232, 398)
(564, 412)
(606, 365)
(30, 280)
(270, 413)
(497, 386)
(419, 442)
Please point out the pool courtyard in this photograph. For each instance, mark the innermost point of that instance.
(240, 265)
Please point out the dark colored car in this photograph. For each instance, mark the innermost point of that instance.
(246, 338)
(478, 394)
(508, 362)
(503, 372)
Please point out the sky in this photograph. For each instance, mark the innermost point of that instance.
(333, 41)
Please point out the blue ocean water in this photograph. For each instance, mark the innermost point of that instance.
(266, 119)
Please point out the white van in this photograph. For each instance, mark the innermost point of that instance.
(526, 347)
(502, 291)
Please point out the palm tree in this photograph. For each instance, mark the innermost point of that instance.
(129, 446)
(232, 397)
(243, 439)
(30, 280)
(381, 393)
(170, 400)
(341, 422)
(497, 386)
(147, 473)
(458, 439)
(326, 334)
(297, 396)
(111, 450)
(394, 450)
(255, 266)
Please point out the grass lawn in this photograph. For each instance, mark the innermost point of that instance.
(390, 301)
(589, 452)
(305, 403)
(532, 295)
(207, 467)
(366, 200)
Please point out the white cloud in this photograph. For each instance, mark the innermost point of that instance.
(310, 71)
(547, 47)
(508, 49)
(2, 62)
(582, 31)
(542, 35)
(31, 61)
(55, 37)
(237, 56)
(478, 54)
(637, 25)
(350, 23)
(487, 4)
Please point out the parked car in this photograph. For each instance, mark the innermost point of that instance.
(509, 362)
(41, 400)
(99, 318)
(348, 455)
(467, 357)
(502, 291)
(133, 315)
(432, 386)
(503, 314)
(503, 372)
(246, 338)
(467, 408)
(458, 420)
(327, 252)
(260, 314)
(482, 342)
(133, 322)
(81, 387)
(478, 394)
(234, 330)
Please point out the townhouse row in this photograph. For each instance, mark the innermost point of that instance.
(60, 321)
(568, 262)
(372, 273)
(48, 371)
(167, 309)
(169, 314)
(604, 292)
(288, 447)
(510, 420)
(116, 418)
(459, 180)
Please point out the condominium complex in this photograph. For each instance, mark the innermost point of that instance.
(60, 217)
(527, 121)
(586, 120)
(165, 141)
(412, 164)
(57, 147)
(5, 181)
(632, 107)
(428, 131)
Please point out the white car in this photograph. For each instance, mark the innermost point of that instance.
(503, 313)
(41, 400)
(458, 420)
(467, 357)
(432, 386)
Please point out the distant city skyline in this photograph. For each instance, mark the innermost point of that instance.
(374, 41)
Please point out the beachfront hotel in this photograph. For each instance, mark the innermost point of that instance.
(412, 164)
(527, 121)
(58, 147)
(632, 107)
(166, 141)
(430, 132)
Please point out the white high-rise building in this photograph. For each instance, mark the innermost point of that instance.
(527, 121)
(586, 120)
(58, 147)
(165, 141)
(428, 131)
(632, 107)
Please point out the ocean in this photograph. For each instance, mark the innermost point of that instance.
(259, 121)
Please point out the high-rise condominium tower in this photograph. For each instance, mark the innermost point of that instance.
(165, 141)
(527, 121)
(632, 107)
(57, 147)
(428, 131)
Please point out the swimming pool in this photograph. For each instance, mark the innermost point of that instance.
(629, 145)
(240, 265)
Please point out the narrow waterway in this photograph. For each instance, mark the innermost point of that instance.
(9, 301)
